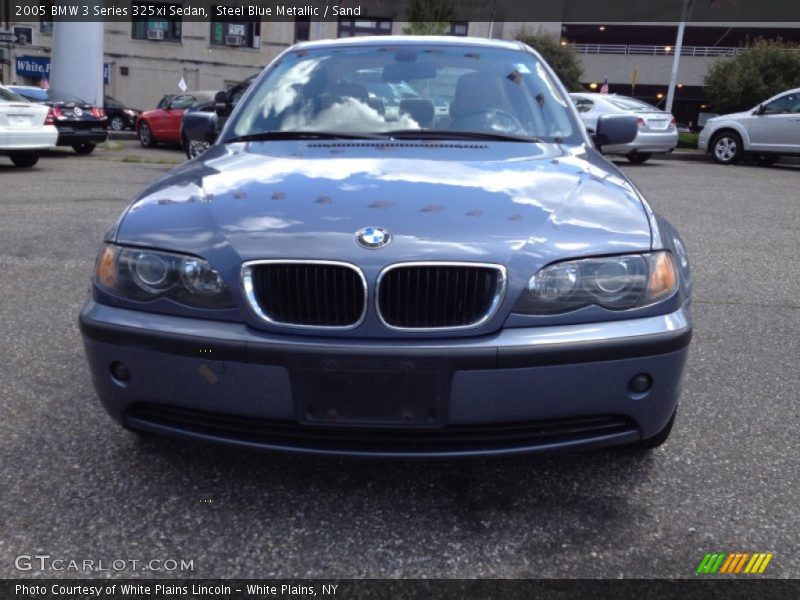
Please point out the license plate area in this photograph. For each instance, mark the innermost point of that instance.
(371, 392)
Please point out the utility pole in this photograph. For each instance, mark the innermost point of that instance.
(673, 80)
(76, 66)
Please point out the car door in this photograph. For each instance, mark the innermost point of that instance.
(174, 114)
(775, 126)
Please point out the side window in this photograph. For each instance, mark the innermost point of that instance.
(180, 102)
(785, 104)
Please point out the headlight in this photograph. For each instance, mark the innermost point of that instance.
(147, 275)
(613, 282)
(129, 112)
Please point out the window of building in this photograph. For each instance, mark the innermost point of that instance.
(302, 29)
(24, 35)
(157, 28)
(358, 28)
(45, 20)
(459, 28)
(243, 34)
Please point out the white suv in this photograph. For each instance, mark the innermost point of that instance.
(766, 132)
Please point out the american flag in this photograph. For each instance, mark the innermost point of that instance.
(604, 87)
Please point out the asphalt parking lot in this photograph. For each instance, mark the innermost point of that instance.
(74, 485)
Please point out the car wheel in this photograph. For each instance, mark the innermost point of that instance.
(196, 148)
(638, 158)
(24, 159)
(651, 442)
(727, 148)
(766, 160)
(146, 136)
(117, 124)
(86, 148)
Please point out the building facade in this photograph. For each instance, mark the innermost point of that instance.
(146, 59)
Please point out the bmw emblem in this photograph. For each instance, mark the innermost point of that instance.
(77, 111)
(373, 237)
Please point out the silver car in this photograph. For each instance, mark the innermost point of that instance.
(766, 132)
(657, 131)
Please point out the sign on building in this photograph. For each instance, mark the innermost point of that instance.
(38, 67)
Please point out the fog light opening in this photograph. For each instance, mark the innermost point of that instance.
(120, 372)
(640, 384)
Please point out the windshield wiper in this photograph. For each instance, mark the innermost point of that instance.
(440, 134)
(301, 135)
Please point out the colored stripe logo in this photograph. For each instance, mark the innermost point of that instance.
(734, 563)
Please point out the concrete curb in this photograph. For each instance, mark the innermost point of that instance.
(121, 135)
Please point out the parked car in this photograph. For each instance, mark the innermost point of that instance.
(79, 123)
(328, 279)
(163, 125)
(25, 129)
(657, 132)
(766, 132)
(119, 116)
(201, 125)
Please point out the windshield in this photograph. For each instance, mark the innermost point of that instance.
(9, 96)
(632, 104)
(50, 96)
(381, 89)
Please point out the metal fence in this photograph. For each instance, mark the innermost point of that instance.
(642, 50)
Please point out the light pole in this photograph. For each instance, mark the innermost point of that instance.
(676, 59)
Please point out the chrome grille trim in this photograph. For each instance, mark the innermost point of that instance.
(494, 306)
(249, 292)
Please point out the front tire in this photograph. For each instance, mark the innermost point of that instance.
(83, 149)
(639, 158)
(146, 138)
(727, 148)
(24, 160)
(194, 148)
(117, 124)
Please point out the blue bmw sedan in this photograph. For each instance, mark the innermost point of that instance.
(352, 274)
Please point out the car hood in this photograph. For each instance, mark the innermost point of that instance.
(517, 204)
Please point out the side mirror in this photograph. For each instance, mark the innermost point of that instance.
(760, 110)
(222, 104)
(615, 129)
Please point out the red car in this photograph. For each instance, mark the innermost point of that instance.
(164, 123)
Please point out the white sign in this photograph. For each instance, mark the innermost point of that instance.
(182, 85)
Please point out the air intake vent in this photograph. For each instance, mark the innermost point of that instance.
(386, 145)
(306, 294)
(420, 296)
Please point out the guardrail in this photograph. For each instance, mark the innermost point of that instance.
(650, 50)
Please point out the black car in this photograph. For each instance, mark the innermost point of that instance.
(201, 124)
(120, 117)
(79, 123)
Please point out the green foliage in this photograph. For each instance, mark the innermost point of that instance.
(429, 17)
(687, 140)
(766, 68)
(564, 60)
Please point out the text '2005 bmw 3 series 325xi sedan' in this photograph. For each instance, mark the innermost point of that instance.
(343, 274)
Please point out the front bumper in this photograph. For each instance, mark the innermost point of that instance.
(519, 390)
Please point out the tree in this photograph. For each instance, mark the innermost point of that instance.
(565, 60)
(429, 17)
(764, 69)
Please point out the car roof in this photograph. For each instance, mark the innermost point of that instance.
(411, 40)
